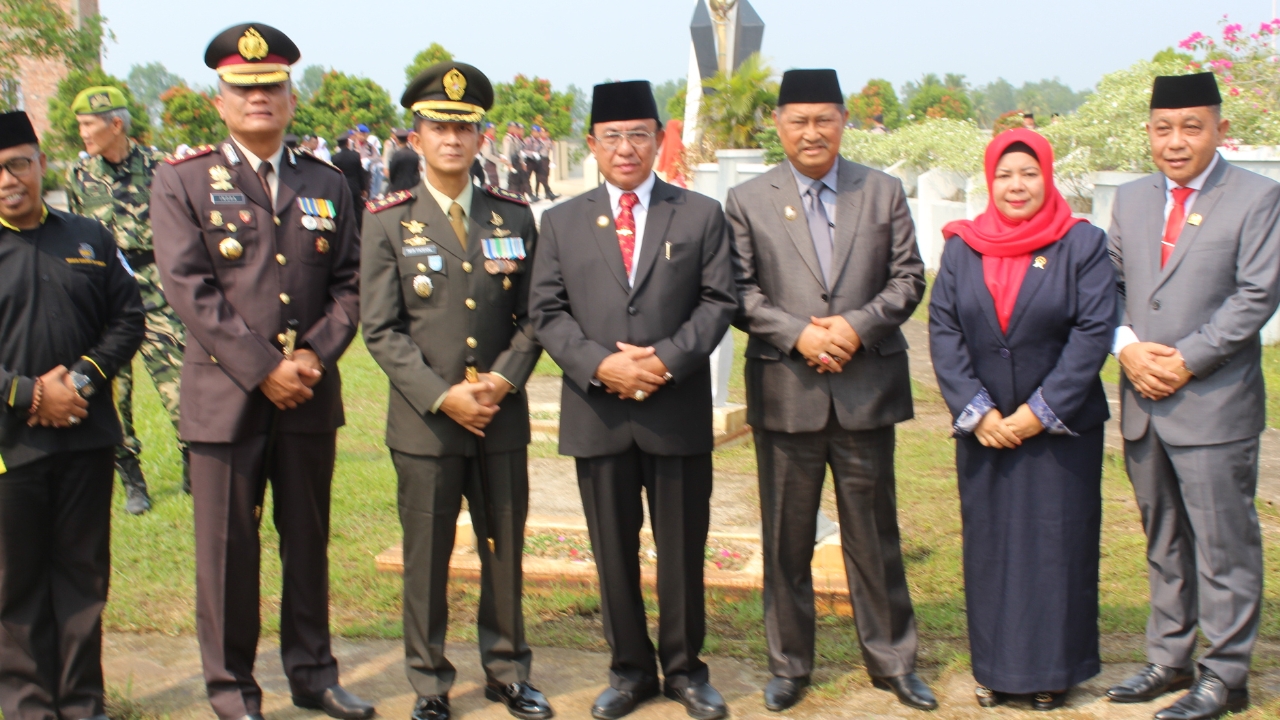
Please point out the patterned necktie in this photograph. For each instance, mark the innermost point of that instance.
(626, 223)
(819, 228)
(264, 169)
(459, 224)
(1173, 226)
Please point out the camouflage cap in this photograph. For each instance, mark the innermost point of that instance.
(100, 99)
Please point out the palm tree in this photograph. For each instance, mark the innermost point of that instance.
(736, 107)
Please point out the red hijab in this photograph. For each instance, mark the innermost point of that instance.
(1006, 245)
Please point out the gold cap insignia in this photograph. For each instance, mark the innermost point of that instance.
(231, 249)
(99, 101)
(414, 227)
(495, 218)
(1195, 219)
(602, 221)
(1040, 262)
(789, 213)
(455, 84)
(422, 286)
(252, 45)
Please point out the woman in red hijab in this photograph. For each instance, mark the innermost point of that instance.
(1020, 323)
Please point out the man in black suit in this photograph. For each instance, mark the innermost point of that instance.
(348, 161)
(632, 290)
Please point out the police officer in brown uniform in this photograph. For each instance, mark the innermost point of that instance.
(258, 249)
(444, 287)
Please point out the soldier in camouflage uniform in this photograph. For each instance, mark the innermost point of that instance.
(113, 185)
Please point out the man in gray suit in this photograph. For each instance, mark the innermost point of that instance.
(1197, 251)
(632, 290)
(827, 269)
(444, 288)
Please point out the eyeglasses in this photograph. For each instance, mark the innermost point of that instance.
(20, 166)
(639, 139)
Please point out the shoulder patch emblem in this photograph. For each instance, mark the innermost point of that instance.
(195, 153)
(386, 201)
(504, 195)
(304, 152)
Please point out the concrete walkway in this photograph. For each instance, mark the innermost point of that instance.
(161, 675)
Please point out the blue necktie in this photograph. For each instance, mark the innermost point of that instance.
(819, 228)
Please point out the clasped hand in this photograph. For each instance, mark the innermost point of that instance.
(632, 369)
(997, 431)
(60, 401)
(473, 404)
(289, 384)
(828, 343)
(1156, 371)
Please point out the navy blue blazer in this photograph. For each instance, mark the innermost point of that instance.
(1058, 338)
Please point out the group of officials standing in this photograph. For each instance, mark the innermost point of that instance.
(629, 288)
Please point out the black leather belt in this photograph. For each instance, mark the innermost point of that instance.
(140, 258)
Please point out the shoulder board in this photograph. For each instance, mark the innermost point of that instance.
(386, 201)
(305, 153)
(504, 195)
(195, 153)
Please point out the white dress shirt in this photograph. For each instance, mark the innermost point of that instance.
(1125, 336)
(273, 179)
(640, 212)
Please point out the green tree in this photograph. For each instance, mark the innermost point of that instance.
(343, 102)
(42, 30)
(670, 96)
(148, 83)
(309, 82)
(189, 118)
(877, 98)
(736, 108)
(939, 101)
(63, 141)
(434, 53)
(533, 102)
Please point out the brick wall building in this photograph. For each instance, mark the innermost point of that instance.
(38, 80)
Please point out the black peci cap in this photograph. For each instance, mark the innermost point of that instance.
(810, 86)
(449, 92)
(15, 129)
(630, 100)
(1173, 92)
(251, 54)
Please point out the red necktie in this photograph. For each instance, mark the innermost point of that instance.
(626, 224)
(1173, 226)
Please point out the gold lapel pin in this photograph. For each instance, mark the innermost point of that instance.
(1195, 219)
(414, 227)
(789, 213)
(1040, 262)
(602, 221)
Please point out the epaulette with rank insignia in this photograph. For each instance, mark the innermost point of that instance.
(389, 200)
(195, 153)
(501, 194)
(306, 153)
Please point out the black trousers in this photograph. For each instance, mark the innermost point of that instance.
(226, 485)
(678, 489)
(430, 496)
(55, 563)
(542, 173)
(792, 467)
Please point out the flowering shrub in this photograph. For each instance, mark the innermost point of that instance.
(1248, 71)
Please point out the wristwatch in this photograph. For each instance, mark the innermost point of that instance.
(83, 385)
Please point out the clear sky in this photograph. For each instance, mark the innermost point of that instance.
(587, 41)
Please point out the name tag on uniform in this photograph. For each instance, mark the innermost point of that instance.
(507, 248)
(412, 251)
(227, 198)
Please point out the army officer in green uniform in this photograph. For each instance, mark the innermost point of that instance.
(113, 186)
(444, 289)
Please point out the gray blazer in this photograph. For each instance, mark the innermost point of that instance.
(681, 304)
(878, 280)
(1210, 301)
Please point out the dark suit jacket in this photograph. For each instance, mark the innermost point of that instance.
(1059, 336)
(681, 305)
(421, 343)
(877, 281)
(348, 161)
(235, 310)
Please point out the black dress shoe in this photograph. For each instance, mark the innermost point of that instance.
(431, 707)
(336, 702)
(1045, 701)
(989, 698)
(614, 703)
(701, 701)
(522, 700)
(1150, 683)
(910, 689)
(781, 693)
(1209, 698)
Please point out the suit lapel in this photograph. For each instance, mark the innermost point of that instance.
(661, 209)
(246, 180)
(1031, 284)
(291, 185)
(786, 195)
(606, 236)
(1206, 199)
(849, 199)
(480, 228)
(978, 287)
(1153, 228)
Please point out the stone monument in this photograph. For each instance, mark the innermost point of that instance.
(723, 34)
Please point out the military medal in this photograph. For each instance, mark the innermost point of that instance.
(322, 245)
(602, 221)
(1040, 262)
(309, 222)
(1195, 219)
(504, 248)
(231, 248)
(215, 218)
(231, 227)
(220, 178)
(414, 227)
(506, 283)
(246, 217)
(417, 241)
(422, 286)
(789, 213)
(317, 213)
(495, 218)
(492, 267)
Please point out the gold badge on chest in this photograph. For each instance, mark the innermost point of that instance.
(423, 286)
(789, 213)
(413, 226)
(220, 178)
(231, 248)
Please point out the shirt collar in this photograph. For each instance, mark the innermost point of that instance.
(44, 215)
(254, 161)
(463, 199)
(1198, 182)
(804, 182)
(644, 192)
